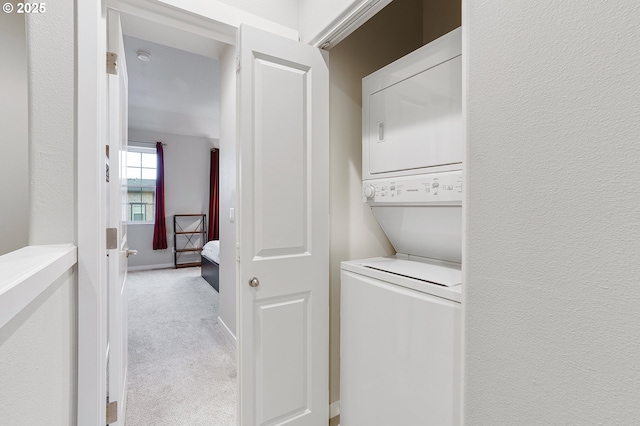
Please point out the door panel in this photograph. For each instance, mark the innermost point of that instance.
(283, 227)
(281, 224)
(116, 215)
(284, 389)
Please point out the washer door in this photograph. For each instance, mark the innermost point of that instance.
(428, 231)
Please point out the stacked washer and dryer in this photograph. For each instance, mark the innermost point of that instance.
(401, 315)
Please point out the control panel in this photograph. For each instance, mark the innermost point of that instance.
(442, 188)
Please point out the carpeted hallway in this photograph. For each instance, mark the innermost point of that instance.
(182, 368)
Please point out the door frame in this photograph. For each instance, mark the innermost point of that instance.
(91, 141)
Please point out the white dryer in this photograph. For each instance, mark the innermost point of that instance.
(401, 316)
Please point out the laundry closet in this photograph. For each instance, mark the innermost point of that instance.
(408, 26)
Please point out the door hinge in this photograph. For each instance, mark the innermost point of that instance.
(237, 63)
(112, 238)
(112, 63)
(112, 412)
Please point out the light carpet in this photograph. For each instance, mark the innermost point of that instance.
(182, 367)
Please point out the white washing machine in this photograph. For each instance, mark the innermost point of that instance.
(400, 344)
(400, 327)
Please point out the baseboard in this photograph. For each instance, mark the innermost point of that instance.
(150, 267)
(334, 409)
(228, 333)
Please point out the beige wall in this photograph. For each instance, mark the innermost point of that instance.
(355, 234)
(440, 17)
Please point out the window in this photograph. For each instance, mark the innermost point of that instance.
(141, 184)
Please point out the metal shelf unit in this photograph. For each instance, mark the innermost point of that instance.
(189, 235)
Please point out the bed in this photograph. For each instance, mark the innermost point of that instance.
(210, 263)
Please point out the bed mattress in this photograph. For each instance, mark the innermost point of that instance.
(211, 251)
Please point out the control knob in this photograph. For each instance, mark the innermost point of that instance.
(369, 191)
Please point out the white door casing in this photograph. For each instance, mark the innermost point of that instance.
(283, 158)
(116, 214)
(92, 297)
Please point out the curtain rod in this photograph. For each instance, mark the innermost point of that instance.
(148, 143)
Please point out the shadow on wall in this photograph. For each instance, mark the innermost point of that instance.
(14, 134)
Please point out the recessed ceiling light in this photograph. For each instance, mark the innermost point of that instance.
(144, 56)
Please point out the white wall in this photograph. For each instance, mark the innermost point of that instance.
(52, 154)
(228, 263)
(355, 234)
(38, 347)
(14, 137)
(553, 213)
(186, 181)
(283, 12)
(266, 15)
(38, 359)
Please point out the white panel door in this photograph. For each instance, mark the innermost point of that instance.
(116, 215)
(283, 252)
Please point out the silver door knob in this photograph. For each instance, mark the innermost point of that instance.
(131, 252)
(254, 282)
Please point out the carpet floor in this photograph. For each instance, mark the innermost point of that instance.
(182, 367)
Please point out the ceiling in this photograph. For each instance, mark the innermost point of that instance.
(178, 90)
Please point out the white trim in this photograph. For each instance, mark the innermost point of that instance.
(132, 147)
(150, 267)
(466, 6)
(175, 17)
(91, 90)
(211, 19)
(26, 273)
(125, 392)
(348, 21)
(228, 333)
(334, 409)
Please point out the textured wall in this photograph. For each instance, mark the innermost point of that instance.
(355, 234)
(553, 213)
(51, 59)
(14, 136)
(38, 347)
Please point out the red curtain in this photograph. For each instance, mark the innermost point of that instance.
(160, 227)
(214, 197)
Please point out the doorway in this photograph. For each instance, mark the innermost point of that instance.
(175, 80)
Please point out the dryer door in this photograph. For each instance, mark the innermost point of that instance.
(417, 123)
